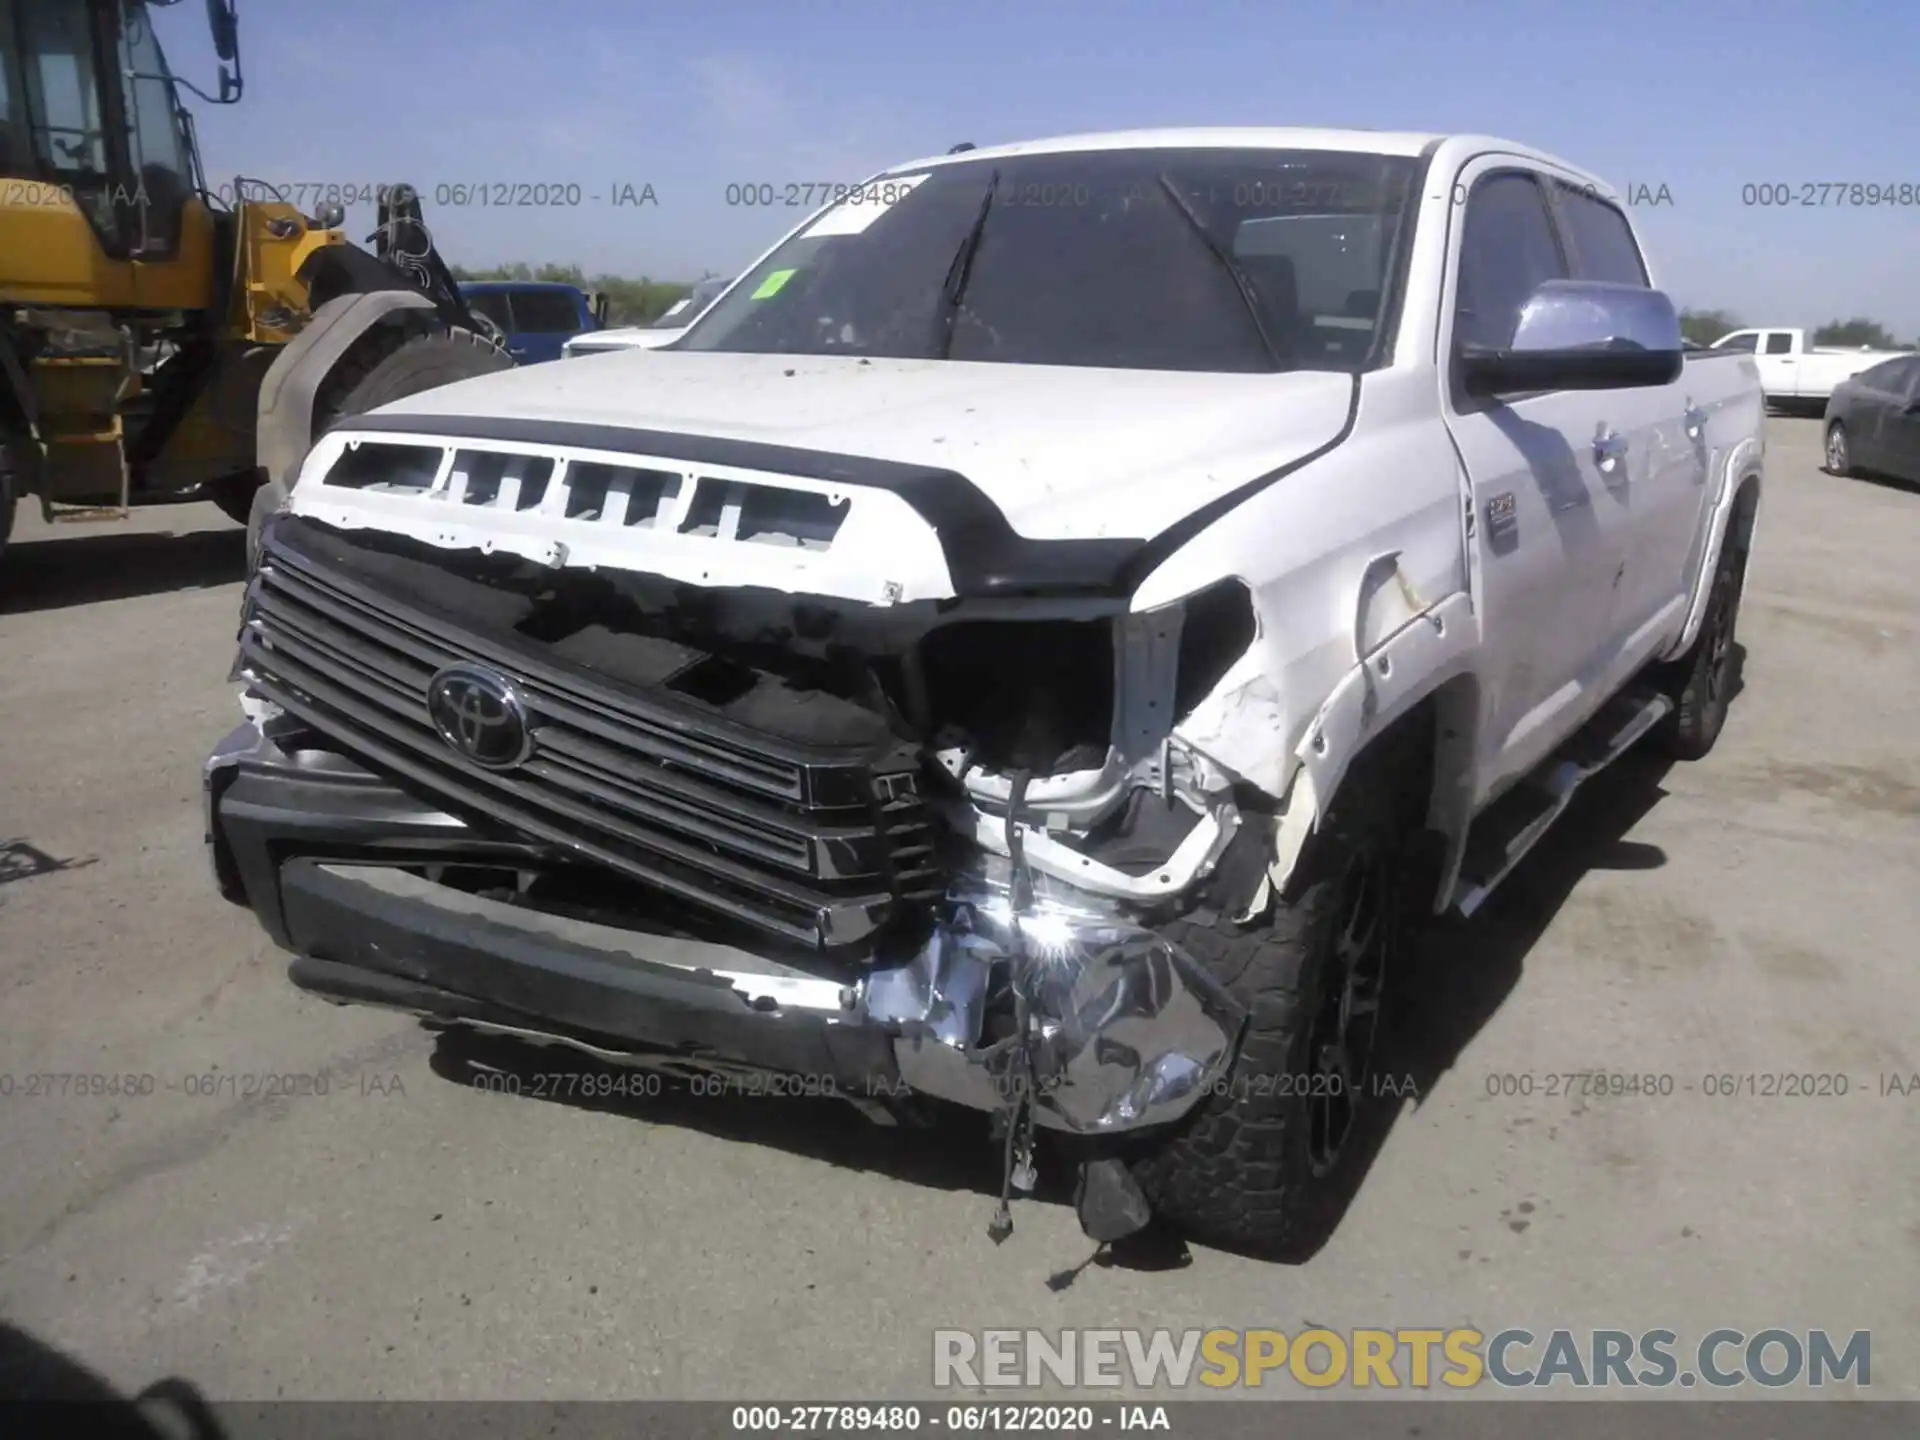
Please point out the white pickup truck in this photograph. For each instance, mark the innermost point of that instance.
(1029, 645)
(1794, 374)
(664, 331)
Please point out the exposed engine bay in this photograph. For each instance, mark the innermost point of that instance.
(1079, 706)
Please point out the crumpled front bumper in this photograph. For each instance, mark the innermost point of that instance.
(1126, 1031)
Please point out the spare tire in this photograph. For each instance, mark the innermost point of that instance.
(373, 374)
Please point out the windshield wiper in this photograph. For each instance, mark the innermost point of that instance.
(960, 271)
(1241, 280)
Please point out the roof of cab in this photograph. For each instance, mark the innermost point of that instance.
(1253, 137)
(1409, 143)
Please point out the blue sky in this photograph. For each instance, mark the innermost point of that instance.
(1702, 98)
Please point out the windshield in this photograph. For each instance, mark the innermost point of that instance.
(687, 308)
(1154, 259)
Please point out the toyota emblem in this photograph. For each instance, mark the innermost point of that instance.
(479, 714)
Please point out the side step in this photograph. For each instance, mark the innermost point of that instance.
(1514, 823)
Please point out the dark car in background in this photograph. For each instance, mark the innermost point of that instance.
(1873, 421)
(535, 317)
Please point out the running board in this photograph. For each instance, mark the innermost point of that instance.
(1514, 823)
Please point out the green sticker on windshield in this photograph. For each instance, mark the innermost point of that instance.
(770, 286)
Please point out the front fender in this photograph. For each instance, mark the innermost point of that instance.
(1409, 667)
(284, 432)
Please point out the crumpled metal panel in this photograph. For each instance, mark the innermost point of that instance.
(942, 990)
(1127, 1030)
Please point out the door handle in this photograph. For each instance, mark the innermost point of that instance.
(1696, 420)
(1609, 449)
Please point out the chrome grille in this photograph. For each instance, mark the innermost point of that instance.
(819, 848)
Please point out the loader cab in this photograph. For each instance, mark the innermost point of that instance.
(89, 108)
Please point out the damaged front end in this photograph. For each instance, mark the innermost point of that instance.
(959, 829)
(1030, 1000)
(1102, 1023)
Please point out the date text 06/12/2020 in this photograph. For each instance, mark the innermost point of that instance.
(203, 1085)
(1713, 1085)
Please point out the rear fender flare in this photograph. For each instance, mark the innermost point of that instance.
(285, 424)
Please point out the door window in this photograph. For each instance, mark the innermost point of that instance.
(1781, 344)
(493, 305)
(63, 90)
(1891, 377)
(1603, 243)
(545, 312)
(13, 113)
(1744, 342)
(155, 143)
(1507, 250)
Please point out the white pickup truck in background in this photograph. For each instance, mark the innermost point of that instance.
(931, 677)
(1795, 374)
(668, 328)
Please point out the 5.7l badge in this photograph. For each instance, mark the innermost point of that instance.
(1503, 519)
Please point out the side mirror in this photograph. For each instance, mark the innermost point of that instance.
(224, 25)
(1582, 335)
(600, 304)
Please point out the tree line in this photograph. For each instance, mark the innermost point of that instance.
(629, 301)
(1703, 327)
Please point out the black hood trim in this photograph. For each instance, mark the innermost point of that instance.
(986, 558)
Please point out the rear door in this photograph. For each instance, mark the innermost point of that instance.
(1547, 524)
(1779, 365)
(543, 321)
(1660, 476)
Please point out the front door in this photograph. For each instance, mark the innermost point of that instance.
(1878, 428)
(1548, 522)
(1658, 477)
(1900, 427)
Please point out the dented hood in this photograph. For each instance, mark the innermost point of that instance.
(1063, 452)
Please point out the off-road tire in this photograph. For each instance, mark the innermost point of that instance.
(387, 365)
(1240, 1172)
(1836, 439)
(1701, 681)
(371, 375)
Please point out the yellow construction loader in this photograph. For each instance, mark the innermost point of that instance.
(159, 340)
